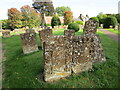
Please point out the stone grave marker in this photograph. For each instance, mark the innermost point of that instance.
(29, 42)
(69, 53)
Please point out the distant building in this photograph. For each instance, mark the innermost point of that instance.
(119, 7)
(49, 18)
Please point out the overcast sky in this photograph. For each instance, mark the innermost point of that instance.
(90, 7)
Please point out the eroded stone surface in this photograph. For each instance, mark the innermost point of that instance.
(6, 33)
(69, 53)
(44, 35)
(29, 43)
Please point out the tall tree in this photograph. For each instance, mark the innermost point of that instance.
(45, 8)
(61, 10)
(14, 18)
(68, 17)
(30, 17)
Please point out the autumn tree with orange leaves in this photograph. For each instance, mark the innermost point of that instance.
(68, 17)
(30, 17)
(14, 18)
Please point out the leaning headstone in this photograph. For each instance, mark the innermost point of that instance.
(6, 33)
(29, 43)
(116, 27)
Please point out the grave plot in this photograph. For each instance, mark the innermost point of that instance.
(29, 43)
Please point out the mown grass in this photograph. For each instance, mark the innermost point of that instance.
(25, 71)
(114, 31)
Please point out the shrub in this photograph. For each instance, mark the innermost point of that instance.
(55, 21)
(110, 21)
(79, 22)
(101, 18)
(73, 26)
(118, 17)
(68, 17)
(5, 24)
(95, 19)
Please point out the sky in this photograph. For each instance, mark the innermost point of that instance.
(90, 7)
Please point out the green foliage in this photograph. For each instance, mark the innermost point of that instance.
(118, 17)
(30, 17)
(101, 18)
(110, 21)
(74, 26)
(44, 8)
(95, 19)
(5, 24)
(79, 22)
(14, 18)
(61, 10)
(55, 21)
(25, 71)
(68, 17)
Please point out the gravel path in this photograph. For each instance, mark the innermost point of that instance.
(111, 35)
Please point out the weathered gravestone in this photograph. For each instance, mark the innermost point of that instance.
(29, 43)
(116, 27)
(101, 26)
(6, 33)
(44, 35)
(69, 53)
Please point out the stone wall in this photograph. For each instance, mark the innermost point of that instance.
(69, 53)
(29, 43)
(6, 33)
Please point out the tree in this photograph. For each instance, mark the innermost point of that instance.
(68, 17)
(30, 17)
(101, 17)
(5, 24)
(55, 21)
(118, 17)
(61, 10)
(14, 18)
(45, 8)
(110, 20)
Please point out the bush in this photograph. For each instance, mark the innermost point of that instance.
(55, 21)
(79, 22)
(101, 18)
(110, 21)
(5, 24)
(74, 26)
(95, 19)
(118, 17)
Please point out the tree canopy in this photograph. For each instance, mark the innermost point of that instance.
(61, 10)
(46, 8)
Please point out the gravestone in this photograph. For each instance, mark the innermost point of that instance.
(6, 33)
(116, 27)
(101, 26)
(29, 42)
(55, 28)
(69, 53)
(44, 35)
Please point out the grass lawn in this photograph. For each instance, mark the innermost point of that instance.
(114, 31)
(25, 71)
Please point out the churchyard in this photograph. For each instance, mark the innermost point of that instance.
(47, 49)
(26, 70)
